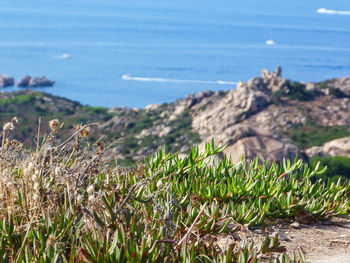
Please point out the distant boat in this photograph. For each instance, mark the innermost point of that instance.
(270, 42)
(322, 10)
(65, 56)
(126, 77)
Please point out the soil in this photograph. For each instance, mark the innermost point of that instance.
(321, 242)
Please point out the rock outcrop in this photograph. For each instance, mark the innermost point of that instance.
(268, 116)
(249, 120)
(6, 81)
(338, 147)
(262, 146)
(34, 82)
(240, 120)
(341, 83)
(24, 82)
(261, 117)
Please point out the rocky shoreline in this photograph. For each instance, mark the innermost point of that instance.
(261, 117)
(269, 116)
(26, 82)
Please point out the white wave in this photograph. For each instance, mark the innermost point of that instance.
(219, 82)
(332, 12)
(65, 56)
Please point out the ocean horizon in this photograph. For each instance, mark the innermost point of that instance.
(133, 53)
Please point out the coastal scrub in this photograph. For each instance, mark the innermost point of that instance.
(60, 202)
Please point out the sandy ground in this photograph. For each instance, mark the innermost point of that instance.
(321, 242)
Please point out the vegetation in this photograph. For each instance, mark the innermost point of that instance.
(337, 167)
(296, 91)
(61, 203)
(180, 134)
(326, 84)
(313, 134)
(29, 105)
(336, 92)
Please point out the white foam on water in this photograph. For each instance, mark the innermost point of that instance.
(65, 56)
(270, 42)
(144, 79)
(333, 12)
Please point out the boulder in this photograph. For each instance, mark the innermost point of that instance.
(232, 108)
(40, 82)
(29, 81)
(271, 81)
(152, 107)
(342, 83)
(337, 147)
(262, 146)
(6, 81)
(24, 82)
(182, 105)
(204, 94)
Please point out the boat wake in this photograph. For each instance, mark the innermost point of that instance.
(65, 56)
(333, 12)
(219, 82)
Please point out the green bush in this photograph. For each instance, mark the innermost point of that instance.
(297, 91)
(326, 84)
(313, 134)
(337, 167)
(19, 99)
(336, 92)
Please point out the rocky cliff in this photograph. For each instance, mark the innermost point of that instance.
(269, 116)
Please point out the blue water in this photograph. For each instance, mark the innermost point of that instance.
(201, 40)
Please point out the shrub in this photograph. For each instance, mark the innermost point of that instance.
(19, 99)
(312, 134)
(337, 167)
(336, 92)
(297, 91)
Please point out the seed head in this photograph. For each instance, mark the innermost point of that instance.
(54, 124)
(85, 132)
(8, 126)
(90, 189)
(50, 241)
(14, 119)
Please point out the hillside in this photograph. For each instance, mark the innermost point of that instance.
(65, 200)
(267, 116)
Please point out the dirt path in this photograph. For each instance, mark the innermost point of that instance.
(321, 242)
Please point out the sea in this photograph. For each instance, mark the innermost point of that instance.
(116, 53)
